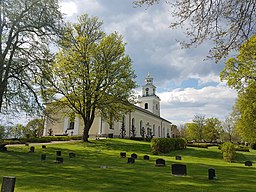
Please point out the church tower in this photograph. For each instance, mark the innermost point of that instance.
(149, 100)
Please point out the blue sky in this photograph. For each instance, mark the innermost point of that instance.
(187, 83)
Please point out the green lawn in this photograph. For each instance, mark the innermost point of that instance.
(84, 172)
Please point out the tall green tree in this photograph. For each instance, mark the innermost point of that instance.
(240, 72)
(35, 128)
(92, 73)
(199, 121)
(212, 129)
(27, 27)
(245, 108)
(227, 23)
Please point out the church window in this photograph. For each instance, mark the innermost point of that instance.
(111, 123)
(156, 107)
(71, 121)
(159, 132)
(147, 89)
(154, 130)
(154, 91)
(146, 105)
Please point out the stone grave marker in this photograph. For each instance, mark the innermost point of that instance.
(146, 157)
(58, 153)
(8, 184)
(32, 149)
(179, 169)
(134, 156)
(160, 162)
(59, 160)
(131, 160)
(248, 163)
(123, 154)
(211, 174)
(178, 157)
(43, 146)
(72, 155)
(43, 157)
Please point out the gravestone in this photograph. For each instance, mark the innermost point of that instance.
(211, 174)
(58, 153)
(2, 147)
(26, 144)
(123, 154)
(179, 169)
(43, 146)
(8, 184)
(32, 149)
(72, 155)
(43, 157)
(178, 157)
(160, 162)
(248, 163)
(131, 160)
(134, 156)
(59, 160)
(146, 157)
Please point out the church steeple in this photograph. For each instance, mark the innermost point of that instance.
(149, 100)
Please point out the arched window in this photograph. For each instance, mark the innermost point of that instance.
(146, 105)
(154, 130)
(159, 131)
(133, 122)
(147, 89)
(156, 107)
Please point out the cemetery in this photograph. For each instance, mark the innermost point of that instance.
(115, 165)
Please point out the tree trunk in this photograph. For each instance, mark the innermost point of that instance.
(87, 126)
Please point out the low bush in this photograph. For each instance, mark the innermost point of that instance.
(165, 145)
(253, 145)
(200, 145)
(140, 139)
(229, 151)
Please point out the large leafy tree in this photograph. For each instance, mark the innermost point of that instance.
(227, 23)
(240, 72)
(26, 29)
(91, 73)
(212, 129)
(245, 109)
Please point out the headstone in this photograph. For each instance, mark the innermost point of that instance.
(134, 156)
(248, 163)
(8, 184)
(179, 169)
(43, 146)
(59, 160)
(32, 149)
(178, 157)
(43, 157)
(160, 162)
(131, 160)
(3, 148)
(211, 174)
(58, 153)
(72, 155)
(26, 144)
(146, 157)
(123, 154)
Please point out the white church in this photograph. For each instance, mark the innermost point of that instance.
(143, 121)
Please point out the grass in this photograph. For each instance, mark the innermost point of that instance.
(84, 172)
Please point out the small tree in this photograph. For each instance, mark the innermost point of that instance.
(142, 132)
(133, 131)
(228, 151)
(122, 130)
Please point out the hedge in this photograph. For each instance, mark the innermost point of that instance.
(166, 145)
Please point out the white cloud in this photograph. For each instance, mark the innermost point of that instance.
(68, 8)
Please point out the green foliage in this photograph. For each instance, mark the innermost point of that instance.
(35, 128)
(229, 151)
(92, 73)
(211, 130)
(165, 145)
(27, 29)
(253, 146)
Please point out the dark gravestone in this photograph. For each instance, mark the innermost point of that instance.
(179, 169)
(59, 160)
(43, 146)
(43, 157)
(26, 144)
(131, 160)
(146, 157)
(58, 153)
(32, 149)
(123, 154)
(211, 174)
(160, 162)
(8, 184)
(248, 163)
(72, 155)
(178, 157)
(2, 147)
(134, 156)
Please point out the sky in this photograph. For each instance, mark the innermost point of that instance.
(187, 83)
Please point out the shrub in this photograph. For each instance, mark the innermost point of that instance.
(200, 145)
(165, 145)
(253, 145)
(228, 151)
